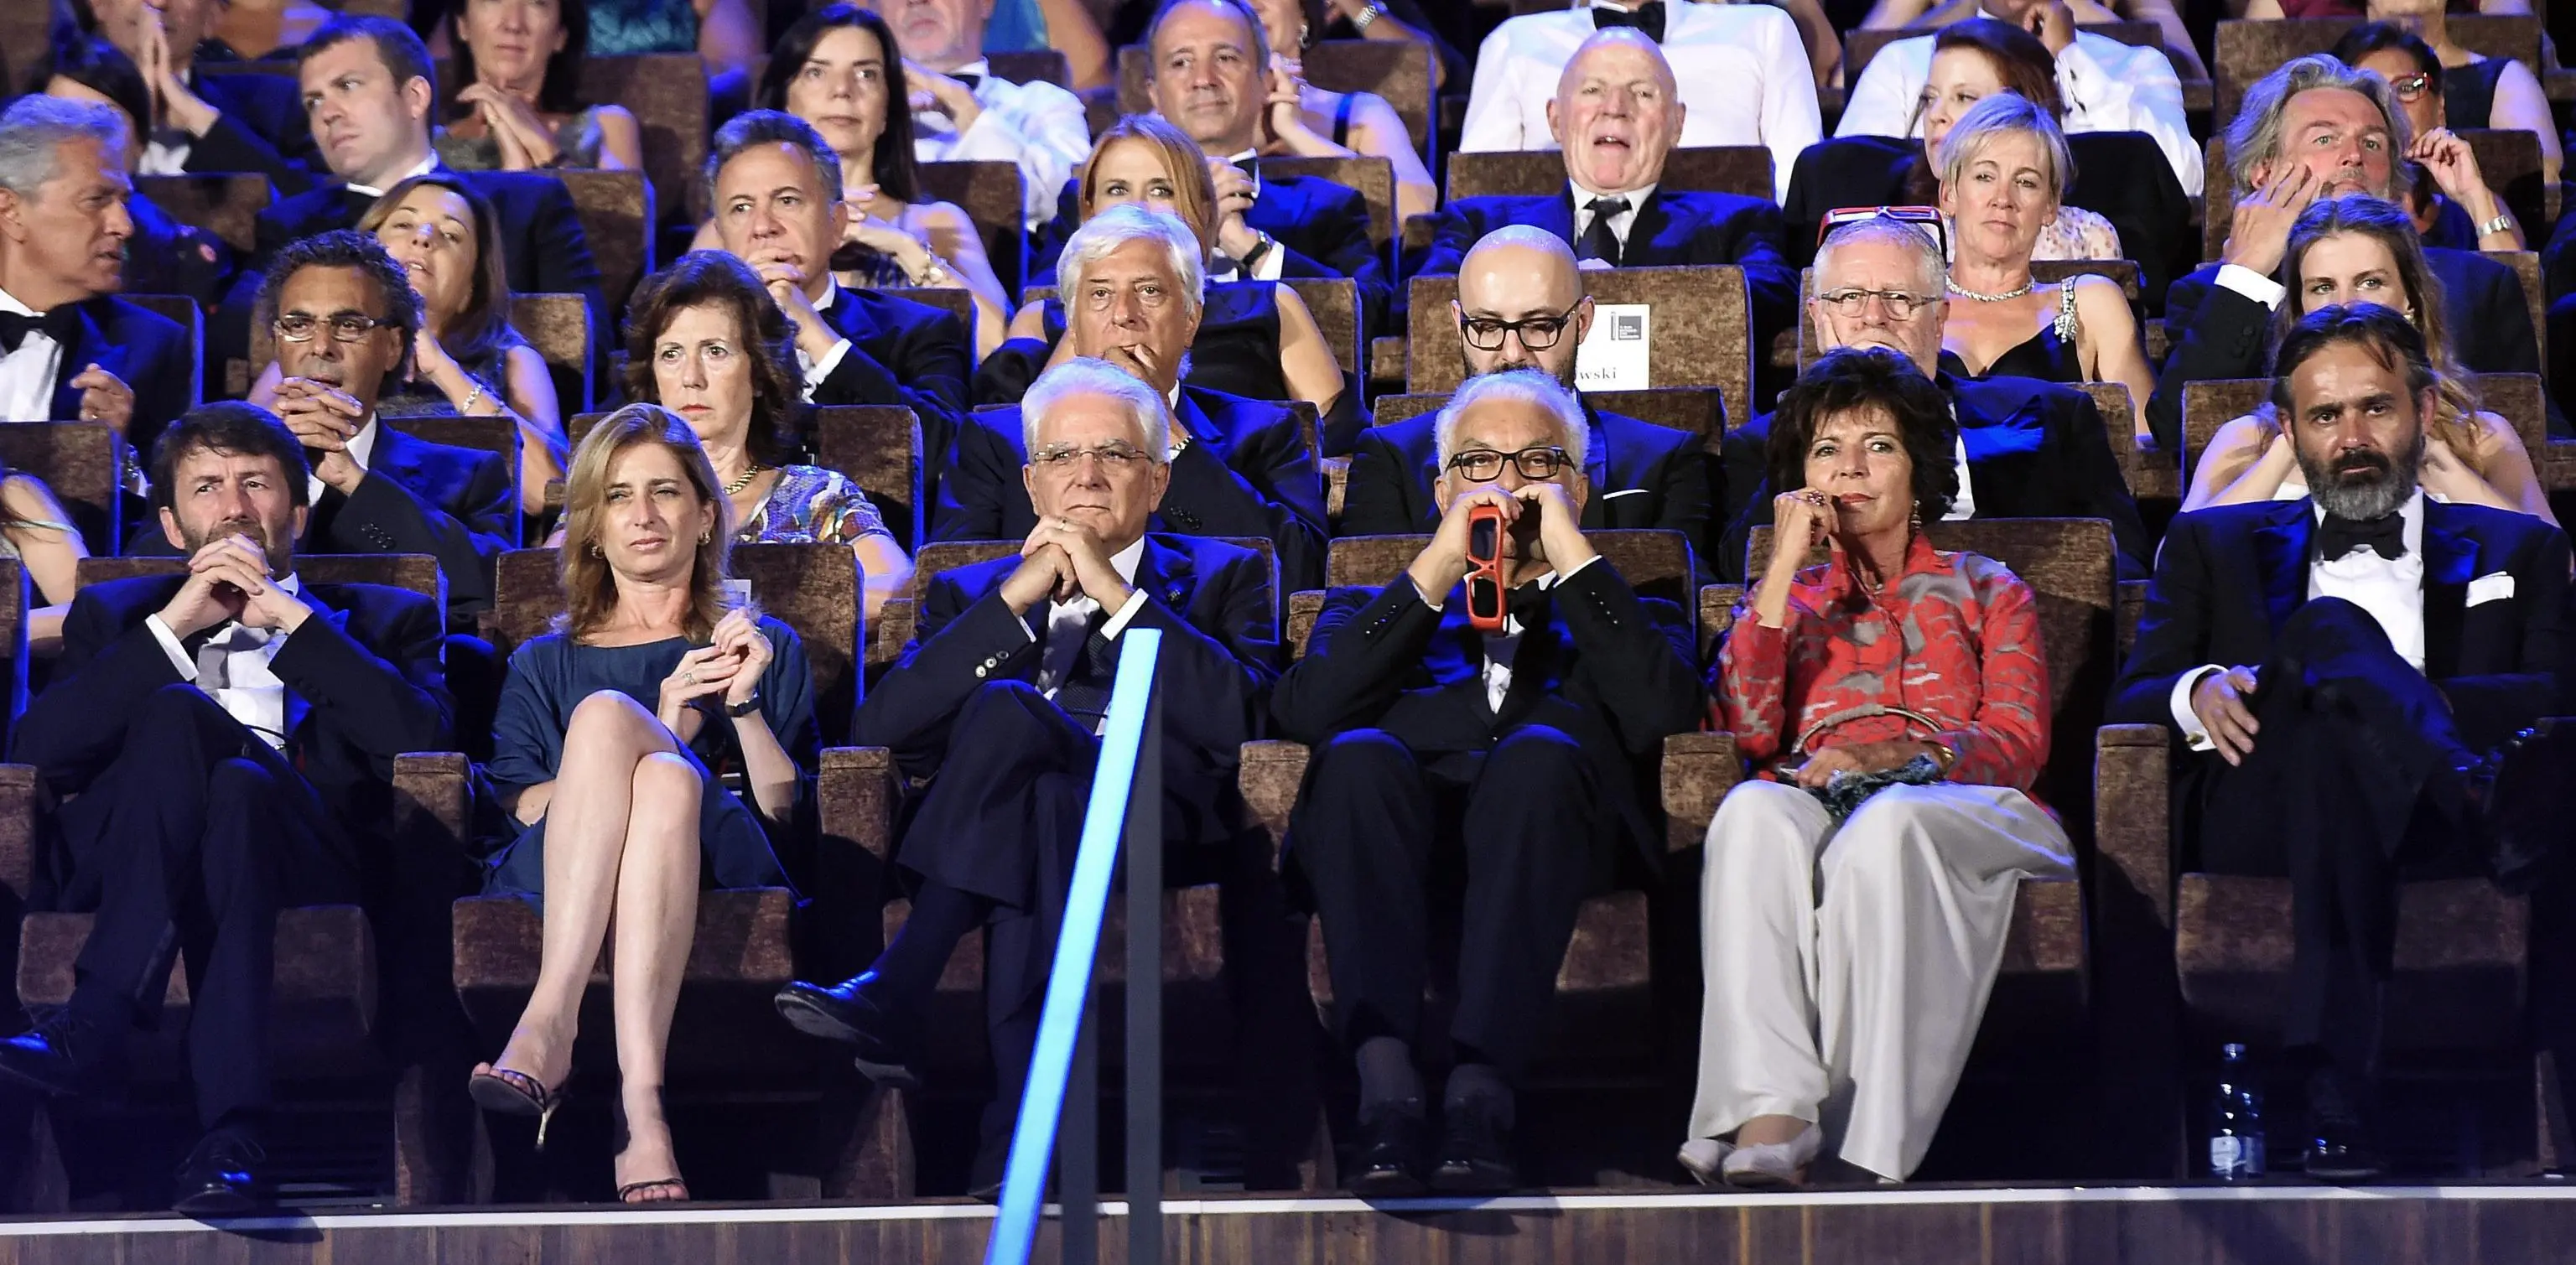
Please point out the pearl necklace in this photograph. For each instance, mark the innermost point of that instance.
(2008, 295)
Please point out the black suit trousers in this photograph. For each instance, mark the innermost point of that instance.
(190, 844)
(1510, 831)
(2351, 786)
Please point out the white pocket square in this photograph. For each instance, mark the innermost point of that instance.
(1623, 492)
(2489, 588)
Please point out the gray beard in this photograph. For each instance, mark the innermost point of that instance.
(2357, 498)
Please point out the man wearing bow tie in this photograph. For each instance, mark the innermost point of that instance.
(69, 350)
(222, 747)
(2338, 665)
(1523, 758)
(964, 113)
(1743, 74)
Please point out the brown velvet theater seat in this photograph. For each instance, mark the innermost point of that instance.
(1699, 334)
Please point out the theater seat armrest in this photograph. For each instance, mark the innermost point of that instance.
(434, 790)
(1337, 478)
(1699, 769)
(1271, 774)
(2132, 805)
(2129, 606)
(859, 790)
(893, 628)
(17, 833)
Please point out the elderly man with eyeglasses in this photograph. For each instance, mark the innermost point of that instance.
(1521, 305)
(998, 700)
(1517, 762)
(2025, 448)
(1133, 281)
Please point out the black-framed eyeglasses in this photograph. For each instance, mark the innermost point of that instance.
(1484, 465)
(1853, 302)
(345, 327)
(1538, 333)
(2410, 88)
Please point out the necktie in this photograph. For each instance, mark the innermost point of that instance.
(1647, 17)
(1250, 167)
(972, 82)
(1084, 694)
(61, 325)
(1598, 241)
(2384, 535)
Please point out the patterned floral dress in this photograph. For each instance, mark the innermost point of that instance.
(812, 504)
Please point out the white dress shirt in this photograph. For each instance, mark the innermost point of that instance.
(1964, 505)
(1038, 126)
(362, 449)
(2252, 285)
(427, 165)
(2391, 589)
(234, 669)
(2109, 87)
(1068, 623)
(1502, 647)
(818, 370)
(1620, 223)
(27, 374)
(1273, 263)
(1742, 71)
(166, 153)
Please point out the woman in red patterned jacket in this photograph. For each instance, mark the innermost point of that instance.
(1892, 705)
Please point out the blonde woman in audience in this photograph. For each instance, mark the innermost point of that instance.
(838, 68)
(605, 754)
(704, 340)
(514, 92)
(2003, 170)
(1310, 122)
(2359, 249)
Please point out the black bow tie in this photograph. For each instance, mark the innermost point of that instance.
(61, 325)
(972, 82)
(1528, 604)
(1647, 17)
(2384, 535)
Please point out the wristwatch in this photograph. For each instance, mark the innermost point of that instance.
(745, 707)
(1360, 20)
(1259, 249)
(2501, 223)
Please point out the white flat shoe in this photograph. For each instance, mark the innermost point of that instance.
(1774, 1165)
(1706, 1159)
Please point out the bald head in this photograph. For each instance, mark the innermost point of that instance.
(1616, 114)
(1526, 275)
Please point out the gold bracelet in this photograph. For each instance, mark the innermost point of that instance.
(1943, 754)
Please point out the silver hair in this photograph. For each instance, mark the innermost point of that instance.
(1084, 375)
(35, 128)
(754, 128)
(1999, 115)
(1251, 20)
(1526, 386)
(1110, 229)
(1932, 274)
(2255, 137)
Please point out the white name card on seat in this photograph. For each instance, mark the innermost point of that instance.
(1613, 355)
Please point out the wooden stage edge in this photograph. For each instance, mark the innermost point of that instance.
(2485, 1224)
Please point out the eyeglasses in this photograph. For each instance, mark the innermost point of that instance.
(346, 327)
(1484, 465)
(1113, 457)
(1855, 302)
(1538, 333)
(2410, 88)
(1927, 218)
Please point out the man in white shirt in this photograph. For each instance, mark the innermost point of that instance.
(965, 113)
(2108, 86)
(2339, 663)
(1742, 70)
(1002, 691)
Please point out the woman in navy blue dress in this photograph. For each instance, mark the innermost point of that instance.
(609, 730)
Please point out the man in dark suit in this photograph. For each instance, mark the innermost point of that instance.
(776, 188)
(1210, 75)
(1521, 305)
(2333, 131)
(999, 699)
(221, 747)
(372, 90)
(2338, 663)
(207, 123)
(1524, 758)
(69, 349)
(1238, 468)
(2027, 449)
(344, 319)
(1616, 118)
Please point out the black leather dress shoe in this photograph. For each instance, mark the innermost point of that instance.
(1475, 1152)
(2340, 1147)
(853, 1013)
(219, 1178)
(1386, 1156)
(60, 1055)
(2525, 793)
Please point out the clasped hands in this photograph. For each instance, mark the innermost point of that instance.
(727, 668)
(1060, 560)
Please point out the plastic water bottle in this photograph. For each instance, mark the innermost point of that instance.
(2236, 1120)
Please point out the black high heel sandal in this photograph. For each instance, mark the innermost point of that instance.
(626, 1194)
(503, 1091)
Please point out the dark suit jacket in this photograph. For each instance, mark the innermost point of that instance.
(1213, 604)
(2229, 575)
(145, 350)
(2218, 333)
(901, 352)
(459, 505)
(363, 672)
(167, 257)
(1841, 171)
(1322, 226)
(261, 127)
(2035, 450)
(1642, 475)
(1247, 472)
(1618, 676)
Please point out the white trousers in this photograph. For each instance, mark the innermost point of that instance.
(1847, 969)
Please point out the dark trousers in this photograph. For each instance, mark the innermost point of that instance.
(189, 844)
(2350, 787)
(1382, 830)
